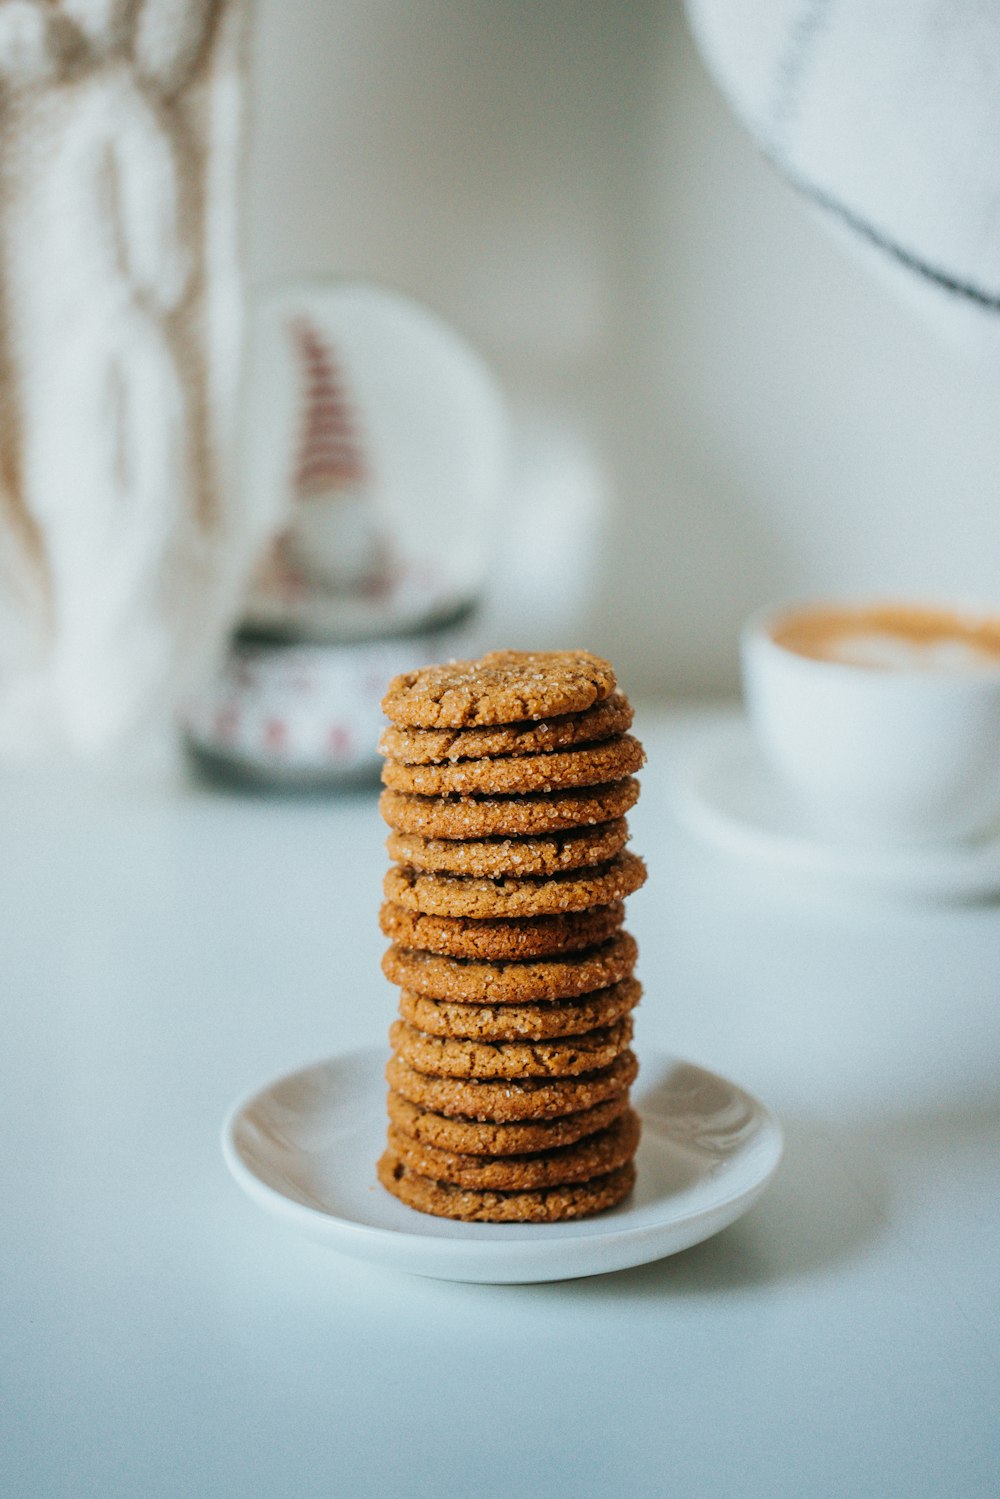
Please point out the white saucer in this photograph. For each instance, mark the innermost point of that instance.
(305, 1148)
(726, 794)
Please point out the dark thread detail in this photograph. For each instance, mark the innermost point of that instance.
(799, 52)
(944, 279)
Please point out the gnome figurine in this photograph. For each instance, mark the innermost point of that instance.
(334, 538)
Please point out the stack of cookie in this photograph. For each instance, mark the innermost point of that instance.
(508, 780)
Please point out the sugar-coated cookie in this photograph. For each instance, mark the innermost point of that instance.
(496, 858)
(561, 976)
(453, 1056)
(595, 1155)
(545, 1205)
(521, 775)
(512, 897)
(508, 1099)
(502, 687)
(507, 781)
(433, 746)
(484, 1137)
(537, 1022)
(531, 937)
(507, 816)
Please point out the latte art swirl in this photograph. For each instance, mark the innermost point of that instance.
(892, 638)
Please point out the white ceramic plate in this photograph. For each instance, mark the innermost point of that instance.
(305, 1147)
(727, 795)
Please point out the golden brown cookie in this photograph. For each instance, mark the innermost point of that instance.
(492, 858)
(532, 937)
(593, 765)
(537, 1022)
(432, 746)
(447, 1056)
(507, 816)
(545, 1205)
(560, 977)
(502, 687)
(461, 895)
(594, 1156)
(506, 1100)
(479, 1137)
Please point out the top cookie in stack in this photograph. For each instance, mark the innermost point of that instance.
(507, 780)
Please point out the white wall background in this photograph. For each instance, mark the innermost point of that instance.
(713, 404)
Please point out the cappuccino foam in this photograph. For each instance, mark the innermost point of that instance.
(893, 638)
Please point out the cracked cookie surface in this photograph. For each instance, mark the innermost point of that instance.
(511, 898)
(481, 1137)
(563, 976)
(521, 775)
(433, 746)
(494, 858)
(509, 1099)
(507, 781)
(595, 1155)
(528, 937)
(446, 1056)
(509, 816)
(544, 1205)
(523, 1022)
(502, 687)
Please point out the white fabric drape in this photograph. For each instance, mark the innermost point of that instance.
(123, 541)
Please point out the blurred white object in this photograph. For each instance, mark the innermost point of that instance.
(379, 440)
(728, 795)
(878, 756)
(122, 546)
(302, 714)
(881, 115)
(379, 437)
(550, 539)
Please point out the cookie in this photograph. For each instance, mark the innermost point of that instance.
(506, 1100)
(544, 1205)
(433, 746)
(593, 765)
(507, 780)
(534, 936)
(521, 1022)
(560, 977)
(478, 1137)
(502, 687)
(447, 1056)
(461, 895)
(594, 1156)
(492, 858)
(507, 816)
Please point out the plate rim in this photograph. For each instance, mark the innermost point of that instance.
(526, 1245)
(945, 872)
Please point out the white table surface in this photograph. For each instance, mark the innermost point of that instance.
(166, 947)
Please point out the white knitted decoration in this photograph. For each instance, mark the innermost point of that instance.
(123, 542)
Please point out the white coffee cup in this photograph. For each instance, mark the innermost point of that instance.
(883, 720)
